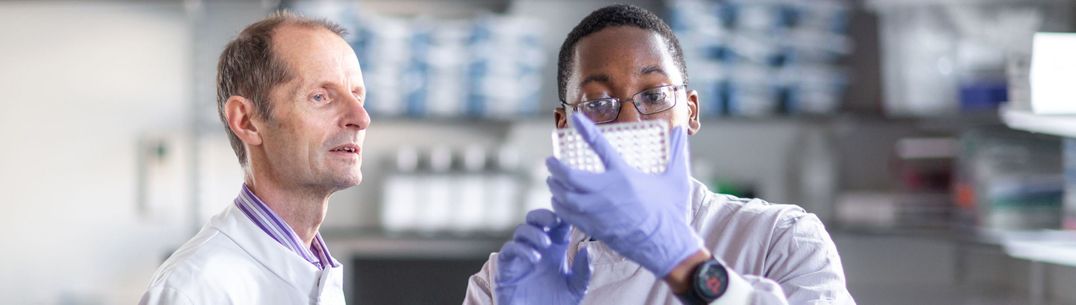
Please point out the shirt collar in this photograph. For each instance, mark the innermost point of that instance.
(270, 223)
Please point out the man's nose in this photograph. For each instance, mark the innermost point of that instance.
(356, 116)
(628, 113)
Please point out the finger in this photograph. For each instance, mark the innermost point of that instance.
(558, 169)
(589, 204)
(535, 237)
(580, 276)
(566, 212)
(572, 177)
(569, 215)
(590, 134)
(513, 250)
(557, 187)
(577, 201)
(559, 233)
(679, 153)
(543, 218)
(515, 261)
(505, 293)
(561, 204)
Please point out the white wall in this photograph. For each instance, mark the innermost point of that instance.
(80, 84)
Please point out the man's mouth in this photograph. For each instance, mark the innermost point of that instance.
(347, 148)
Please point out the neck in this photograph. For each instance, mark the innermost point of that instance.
(302, 208)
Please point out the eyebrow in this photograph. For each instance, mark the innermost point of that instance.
(334, 85)
(597, 78)
(604, 79)
(652, 69)
(302, 89)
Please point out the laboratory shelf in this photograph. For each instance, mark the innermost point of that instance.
(1058, 125)
(1048, 246)
(933, 294)
(1038, 247)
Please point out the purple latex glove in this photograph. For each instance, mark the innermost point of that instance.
(643, 217)
(532, 268)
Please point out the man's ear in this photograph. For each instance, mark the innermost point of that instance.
(693, 124)
(560, 118)
(239, 113)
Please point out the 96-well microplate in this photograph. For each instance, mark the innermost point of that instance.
(643, 145)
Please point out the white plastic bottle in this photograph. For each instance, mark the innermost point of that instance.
(471, 190)
(437, 188)
(400, 200)
(504, 204)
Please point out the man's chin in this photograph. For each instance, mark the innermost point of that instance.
(348, 180)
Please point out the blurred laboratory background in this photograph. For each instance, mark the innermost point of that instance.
(935, 138)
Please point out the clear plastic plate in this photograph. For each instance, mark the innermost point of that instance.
(643, 145)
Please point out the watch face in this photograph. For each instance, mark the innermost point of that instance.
(711, 280)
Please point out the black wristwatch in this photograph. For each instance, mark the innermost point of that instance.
(709, 281)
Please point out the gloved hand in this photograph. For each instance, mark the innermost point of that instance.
(532, 267)
(643, 217)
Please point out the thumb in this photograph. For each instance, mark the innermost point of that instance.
(580, 276)
(590, 134)
(679, 154)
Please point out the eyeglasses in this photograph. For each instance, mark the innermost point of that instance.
(649, 101)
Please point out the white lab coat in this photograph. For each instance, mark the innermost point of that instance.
(776, 254)
(232, 261)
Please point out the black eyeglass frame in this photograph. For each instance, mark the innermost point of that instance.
(635, 102)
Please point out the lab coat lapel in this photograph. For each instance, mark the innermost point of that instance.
(608, 266)
(267, 251)
(331, 286)
(618, 280)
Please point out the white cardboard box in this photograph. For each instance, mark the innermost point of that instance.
(1053, 73)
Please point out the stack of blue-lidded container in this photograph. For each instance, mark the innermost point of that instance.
(764, 57)
(486, 66)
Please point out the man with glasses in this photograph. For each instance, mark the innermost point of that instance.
(634, 238)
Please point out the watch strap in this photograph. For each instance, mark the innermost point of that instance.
(710, 272)
(737, 291)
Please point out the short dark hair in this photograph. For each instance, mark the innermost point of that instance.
(610, 16)
(249, 68)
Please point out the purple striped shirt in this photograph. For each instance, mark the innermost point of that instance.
(270, 223)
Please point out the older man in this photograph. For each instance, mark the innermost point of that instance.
(290, 94)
